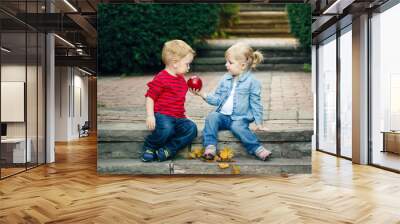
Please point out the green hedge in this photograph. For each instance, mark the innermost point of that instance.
(131, 36)
(300, 23)
(227, 17)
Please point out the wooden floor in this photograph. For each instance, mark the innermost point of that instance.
(386, 159)
(70, 191)
(10, 171)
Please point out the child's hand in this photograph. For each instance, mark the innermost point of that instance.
(259, 127)
(197, 92)
(194, 91)
(151, 122)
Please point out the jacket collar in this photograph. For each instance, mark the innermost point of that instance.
(242, 77)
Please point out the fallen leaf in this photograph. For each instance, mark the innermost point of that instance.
(226, 154)
(223, 165)
(198, 152)
(192, 155)
(235, 169)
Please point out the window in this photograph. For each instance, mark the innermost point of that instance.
(346, 74)
(385, 84)
(327, 95)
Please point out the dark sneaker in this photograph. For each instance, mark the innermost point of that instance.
(149, 155)
(163, 154)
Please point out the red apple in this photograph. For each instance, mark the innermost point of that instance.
(195, 82)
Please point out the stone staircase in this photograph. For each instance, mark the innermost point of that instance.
(260, 21)
(211, 57)
(261, 7)
(119, 147)
(263, 27)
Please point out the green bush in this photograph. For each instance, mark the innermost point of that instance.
(300, 23)
(228, 16)
(131, 36)
(307, 67)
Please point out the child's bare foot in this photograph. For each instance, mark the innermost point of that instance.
(210, 152)
(262, 153)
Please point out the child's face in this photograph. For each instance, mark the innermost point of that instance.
(234, 67)
(182, 66)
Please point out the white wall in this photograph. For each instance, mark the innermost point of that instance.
(70, 84)
(62, 81)
(33, 126)
(14, 72)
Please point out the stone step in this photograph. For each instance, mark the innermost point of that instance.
(135, 132)
(185, 166)
(132, 150)
(261, 21)
(257, 35)
(247, 166)
(262, 7)
(132, 166)
(268, 43)
(262, 15)
(267, 60)
(258, 32)
(261, 25)
(125, 141)
(261, 67)
(268, 52)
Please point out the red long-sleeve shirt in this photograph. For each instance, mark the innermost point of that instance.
(168, 93)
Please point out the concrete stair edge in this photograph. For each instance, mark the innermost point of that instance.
(273, 60)
(257, 46)
(133, 150)
(253, 31)
(262, 67)
(263, 13)
(265, 136)
(173, 167)
(261, 7)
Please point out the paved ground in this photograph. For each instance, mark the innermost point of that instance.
(286, 96)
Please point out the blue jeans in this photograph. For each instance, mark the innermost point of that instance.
(240, 128)
(171, 133)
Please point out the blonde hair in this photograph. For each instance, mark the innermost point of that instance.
(244, 53)
(175, 50)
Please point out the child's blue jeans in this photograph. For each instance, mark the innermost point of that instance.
(240, 128)
(171, 133)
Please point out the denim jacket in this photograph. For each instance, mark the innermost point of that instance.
(246, 100)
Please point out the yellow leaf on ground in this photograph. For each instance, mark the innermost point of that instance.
(192, 155)
(198, 152)
(223, 165)
(226, 154)
(235, 169)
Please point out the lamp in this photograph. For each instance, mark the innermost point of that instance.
(5, 50)
(64, 40)
(84, 71)
(70, 5)
(337, 7)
